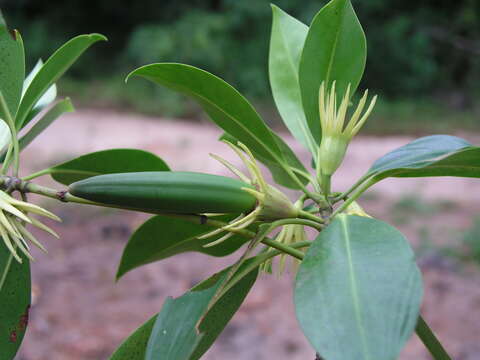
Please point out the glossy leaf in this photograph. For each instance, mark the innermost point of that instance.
(335, 50)
(187, 326)
(278, 172)
(46, 99)
(15, 290)
(5, 118)
(5, 136)
(224, 105)
(106, 162)
(286, 44)
(437, 155)
(162, 237)
(45, 121)
(12, 67)
(358, 290)
(51, 71)
(134, 347)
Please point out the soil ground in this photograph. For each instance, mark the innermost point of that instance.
(80, 313)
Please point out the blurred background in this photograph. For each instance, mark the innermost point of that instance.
(423, 56)
(423, 61)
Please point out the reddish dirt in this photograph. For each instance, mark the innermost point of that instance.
(80, 313)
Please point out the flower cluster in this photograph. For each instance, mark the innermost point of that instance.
(13, 217)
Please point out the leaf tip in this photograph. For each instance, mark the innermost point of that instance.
(120, 273)
(136, 71)
(98, 37)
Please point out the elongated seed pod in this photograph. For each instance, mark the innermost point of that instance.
(167, 191)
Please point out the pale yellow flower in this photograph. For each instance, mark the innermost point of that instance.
(272, 204)
(355, 209)
(13, 217)
(335, 134)
(290, 234)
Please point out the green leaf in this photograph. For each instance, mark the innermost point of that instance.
(436, 155)
(106, 162)
(334, 50)
(12, 67)
(15, 290)
(286, 44)
(46, 99)
(48, 118)
(51, 71)
(187, 326)
(358, 290)
(225, 105)
(162, 237)
(279, 174)
(211, 322)
(5, 136)
(133, 348)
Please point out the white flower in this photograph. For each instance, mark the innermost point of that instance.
(12, 229)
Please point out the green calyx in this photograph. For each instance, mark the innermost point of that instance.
(332, 151)
(273, 204)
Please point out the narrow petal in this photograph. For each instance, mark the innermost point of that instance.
(219, 241)
(260, 196)
(321, 107)
(27, 234)
(333, 103)
(360, 123)
(16, 225)
(216, 231)
(44, 227)
(356, 115)
(14, 211)
(253, 166)
(36, 210)
(7, 225)
(245, 161)
(22, 246)
(210, 234)
(9, 245)
(342, 111)
(244, 220)
(232, 168)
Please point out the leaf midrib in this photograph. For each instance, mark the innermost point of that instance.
(354, 289)
(210, 103)
(302, 121)
(334, 48)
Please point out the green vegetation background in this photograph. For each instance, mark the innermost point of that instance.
(423, 56)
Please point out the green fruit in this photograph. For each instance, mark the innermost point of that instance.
(168, 192)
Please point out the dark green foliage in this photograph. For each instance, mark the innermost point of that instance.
(437, 52)
(15, 286)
